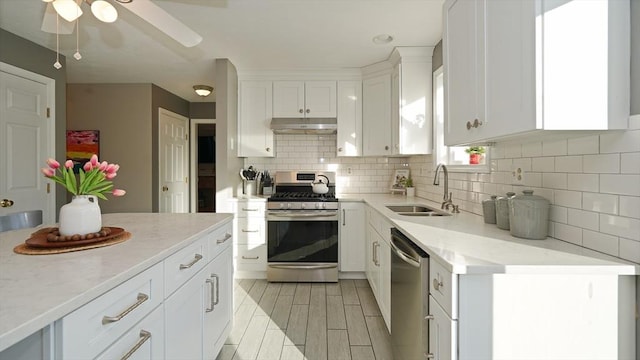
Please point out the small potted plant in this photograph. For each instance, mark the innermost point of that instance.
(408, 184)
(475, 154)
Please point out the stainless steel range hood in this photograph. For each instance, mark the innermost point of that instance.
(312, 126)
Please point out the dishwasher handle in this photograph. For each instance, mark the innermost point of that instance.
(402, 255)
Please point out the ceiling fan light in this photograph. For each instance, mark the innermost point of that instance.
(203, 90)
(68, 9)
(104, 11)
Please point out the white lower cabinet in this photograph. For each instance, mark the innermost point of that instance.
(352, 237)
(218, 313)
(378, 262)
(442, 333)
(145, 341)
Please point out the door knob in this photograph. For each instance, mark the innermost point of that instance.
(6, 203)
(165, 188)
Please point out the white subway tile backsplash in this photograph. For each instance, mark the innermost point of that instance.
(600, 242)
(602, 203)
(584, 145)
(620, 184)
(572, 199)
(554, 147)
(533, 149)
(620, 142)
(568, 164)
(583, 182)
(558, 214)
(572, 234)
(584, 219)
(533, 179)
(513, 151)
(620, 226)
(604, 163)
(630, 163)
(554, 180)
(543, 164)
(630, 206)
(629, 250)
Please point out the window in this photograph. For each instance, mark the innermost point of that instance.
(457, 158)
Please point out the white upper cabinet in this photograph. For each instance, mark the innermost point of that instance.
(255, 137)
(411, 125)
(311, 99)
(513, 68)
(376, 116)
(349, 137)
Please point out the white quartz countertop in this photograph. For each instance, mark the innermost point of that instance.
(464, 244)
(36, 290)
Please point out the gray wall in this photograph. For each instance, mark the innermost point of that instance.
(27, 55)
(202, 110)
(437, 59)
(122, 113)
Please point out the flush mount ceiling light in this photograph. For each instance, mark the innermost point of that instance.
(382, 39)
(203, 90)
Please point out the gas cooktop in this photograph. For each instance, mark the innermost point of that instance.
(302, 196)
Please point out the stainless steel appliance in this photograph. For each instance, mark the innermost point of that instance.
(409, 298)
(302, 229)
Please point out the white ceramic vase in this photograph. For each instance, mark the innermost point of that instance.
(81, 216)
(411, 191)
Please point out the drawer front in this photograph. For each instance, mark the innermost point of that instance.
(89, 330)
(443, 342)
(250, 258)
(443, 286)
(220, 239)
(250, 231)
(144, 341)
(182, 265)
(249, 208)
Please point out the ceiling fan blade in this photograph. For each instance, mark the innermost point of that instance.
(166, 23)
(49, 22)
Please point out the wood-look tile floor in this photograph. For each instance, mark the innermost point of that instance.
(306, 321)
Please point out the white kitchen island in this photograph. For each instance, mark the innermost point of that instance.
(47, 302)
(494, 296)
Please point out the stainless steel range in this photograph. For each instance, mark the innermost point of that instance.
(302, 228)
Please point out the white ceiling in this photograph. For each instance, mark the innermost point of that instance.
(253, 34)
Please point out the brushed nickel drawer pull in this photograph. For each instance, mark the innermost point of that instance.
(140, 299)
(250, 231)
(250, 257)
(217, 301)
(248, 209)
(197, 258)
(144, 336)
(210, 308)
(227, 236)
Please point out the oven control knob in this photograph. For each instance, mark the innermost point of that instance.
(303, 206)
(317, 205)
(288, 205)
(324, 206)
(281, 205)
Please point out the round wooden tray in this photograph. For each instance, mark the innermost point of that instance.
(39, 239)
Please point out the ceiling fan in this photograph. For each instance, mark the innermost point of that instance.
(70, 10)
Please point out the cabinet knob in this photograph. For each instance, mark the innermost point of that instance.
(386, 147)
(339, 149)
(308, 111)
(6, 203)
(469, 125)
(301, 111)
(437, 284)
(268, 149)
(476, 123)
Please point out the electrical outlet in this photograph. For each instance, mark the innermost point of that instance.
(349, 170)
(517, 176)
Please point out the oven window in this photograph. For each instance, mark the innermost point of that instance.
(303, 241)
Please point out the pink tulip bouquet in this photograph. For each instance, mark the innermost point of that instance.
(94, 177)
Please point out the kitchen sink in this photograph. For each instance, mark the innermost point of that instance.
(416, 210)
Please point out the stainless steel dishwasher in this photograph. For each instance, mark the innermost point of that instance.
(409, 298)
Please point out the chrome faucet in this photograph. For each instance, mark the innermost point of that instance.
(448, 202)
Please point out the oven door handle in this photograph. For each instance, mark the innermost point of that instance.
(305, 267)
(304, 215)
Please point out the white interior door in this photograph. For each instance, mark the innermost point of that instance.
(174, 162)
(26, 141)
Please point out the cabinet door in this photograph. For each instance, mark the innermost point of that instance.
(255, 137)
(396, 96)
(288, 99)
(184, 320)
(352, 237)
(349, 137)
(373, 272)
(463, 41)
(442, 333)
(320, 99)
(376, 116)
(218, 304)
(384, 300)
(510, 67)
